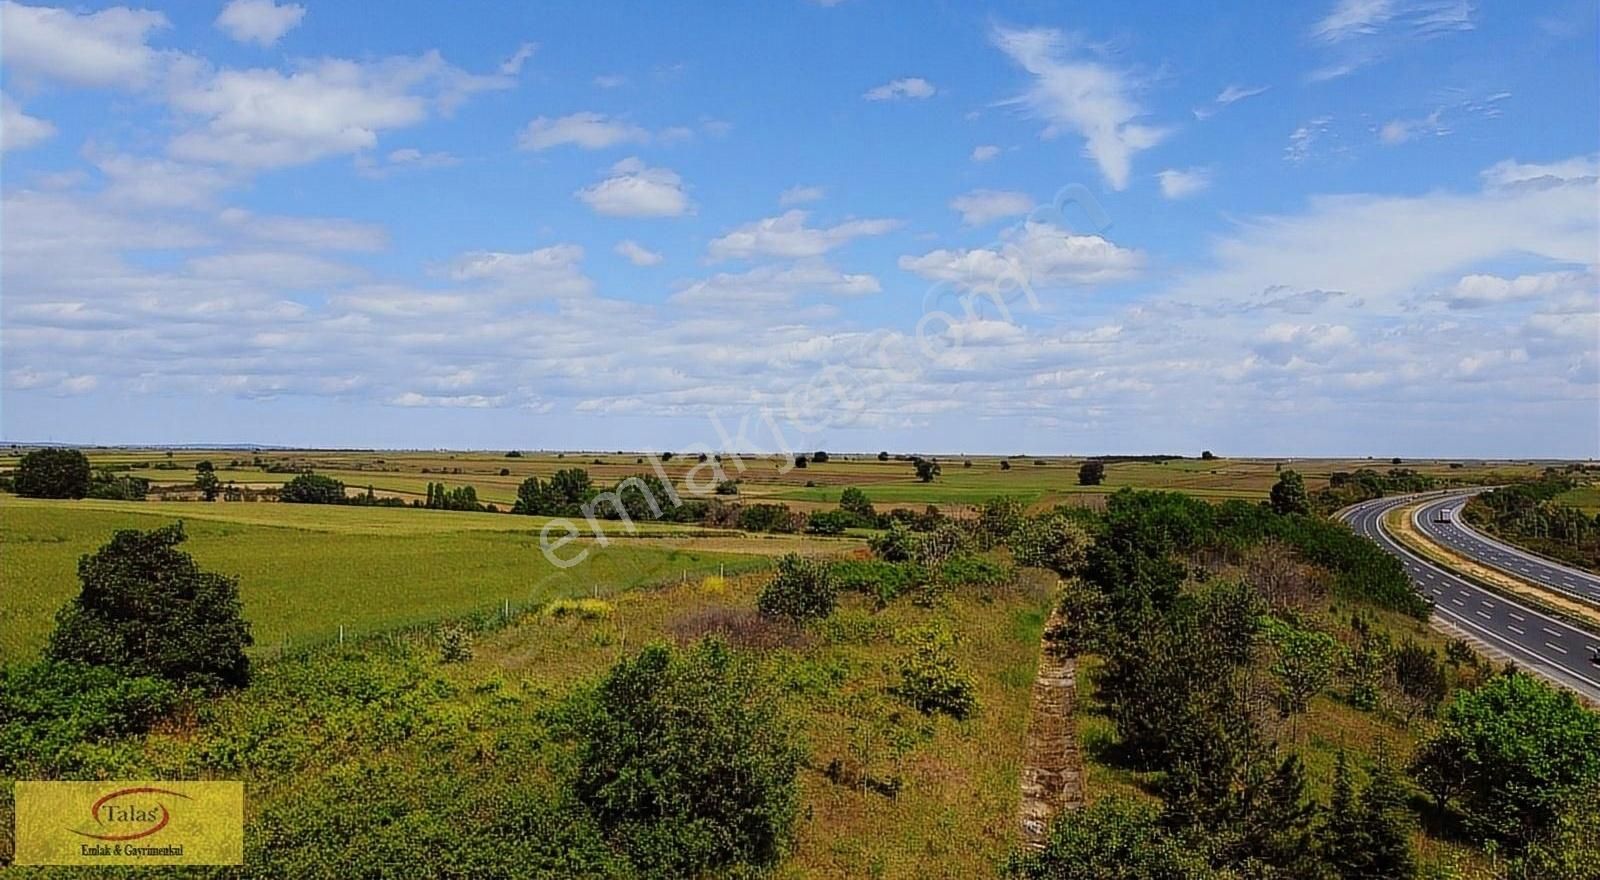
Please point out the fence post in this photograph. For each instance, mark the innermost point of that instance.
(341, 635)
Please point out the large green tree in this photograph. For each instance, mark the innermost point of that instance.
(146, 608)
(1289, 494)
(1512, 751)
(52, 473)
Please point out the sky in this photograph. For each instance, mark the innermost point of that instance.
(1343, 227)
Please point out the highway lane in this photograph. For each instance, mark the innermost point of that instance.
(1554, 649)
(1456, 534)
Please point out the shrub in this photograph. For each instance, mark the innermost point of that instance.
(52, 713)
(1053, 541)
(1116, 838)
(146, 608)
(897, 544)
(583, 609)
(967, 570)
(685, 762)
(829, 522)
(52, 473)
(997, 519)
(766, 518)
(115, 487)
(930, 679)
(727, 487)
(855, 501)
(801, 590)
(455, 645)
(883, 581)
(926, 469)
(740, 627)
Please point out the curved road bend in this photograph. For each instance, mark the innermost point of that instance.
(1554, 649)
(1456, 534)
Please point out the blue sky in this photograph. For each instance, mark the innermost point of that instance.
(1343, 227)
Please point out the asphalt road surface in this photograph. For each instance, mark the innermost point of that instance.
(1456, 534)
(1554, 649)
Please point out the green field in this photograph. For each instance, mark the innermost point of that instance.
(304, 570)
(1585, 498)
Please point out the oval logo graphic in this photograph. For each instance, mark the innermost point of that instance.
(142, 819)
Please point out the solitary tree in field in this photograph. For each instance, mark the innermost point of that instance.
(1092, 473)
(52, 473)
(208, 484)
(1208, 455)
(819, 457)
(854, 501)
(146, 608)
(1005, 464)
(1289, 494)
(927, 469)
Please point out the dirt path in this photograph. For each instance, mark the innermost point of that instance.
(1052, 769)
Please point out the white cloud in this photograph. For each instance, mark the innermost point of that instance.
(315, 233)
(159, 183)
(1477, 291)
(403, 159)
(262, 22)
(1510, 173)
(982, 206)
(19, 131)
(787, 235)
(638, 254)
(591, 131)
(284, 269)
(513, 66)
(800, 195)
(637, 190)
(610, 81)
(1232, 94)
(554, 271)
(263, 118)
(105, 48)
(1040, 255)
(1361, 32)
(774, 285)
(1398, 131)
(1303, 140)
(984, 152)
(908, 87)
(1082, 97)
(1181, 184)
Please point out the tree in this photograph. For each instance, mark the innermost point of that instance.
(1420, 679)
(819, 457)
(1005, 464)
(1344, 840)
(855, 502)
(684, 759)
(1304, 665)
(1091, 473)
(313, 489)
(204, 466)
(927, 469)
(800, 460)
(801, 590)
(146, 608)
(208, 484)
(930, 678)
(1386, 825)
(52, 473)
(513, 454)
(1512, 750)
(1289, 494)
(1052, 542)
(883, 456)
(1208, 455)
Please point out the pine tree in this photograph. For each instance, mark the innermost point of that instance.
(1386, 824)
(1344, 843)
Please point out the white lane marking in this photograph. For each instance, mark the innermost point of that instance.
(1550, 632)
(1555, 647)
(1459, 602)
(1482, 615)
(1519, 618)
(1516, 630)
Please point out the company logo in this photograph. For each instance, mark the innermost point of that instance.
(129, 822)
(117, 810)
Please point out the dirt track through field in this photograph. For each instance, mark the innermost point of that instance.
(1052, 769)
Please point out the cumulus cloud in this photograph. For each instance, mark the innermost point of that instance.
(638, 254)
(591, 131)
(787, 235)
(982, 206)
(1509, 173)
(18, 130)
(554, 271)
(984, 152)
(1082, 97)
(264, 118)
(105, 48)
(1482, 290)
(1040, 255)
(637, 190)
(262, 22)
(1183, 183)
(899, 89)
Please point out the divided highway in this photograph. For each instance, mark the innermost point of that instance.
(1456, 534)
(1554, 649)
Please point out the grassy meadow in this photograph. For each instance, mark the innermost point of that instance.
(306, 569)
